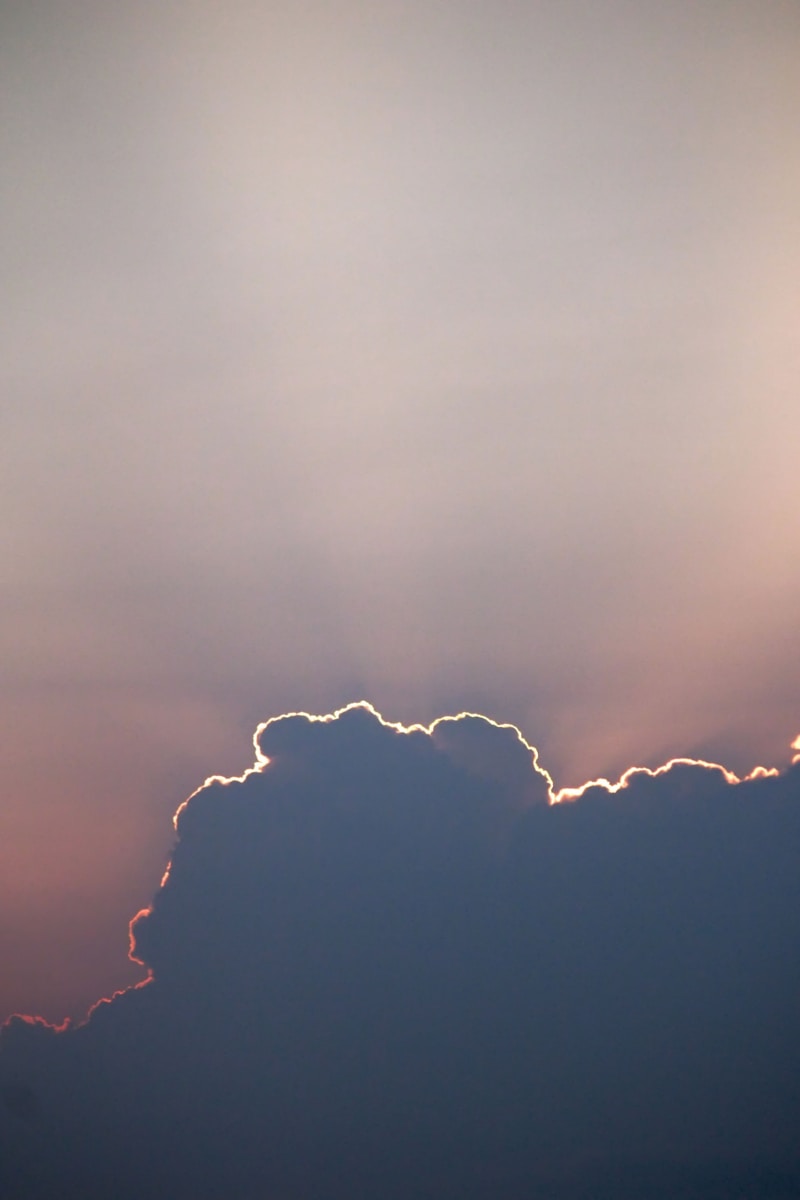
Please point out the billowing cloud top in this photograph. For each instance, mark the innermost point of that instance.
(389, 961)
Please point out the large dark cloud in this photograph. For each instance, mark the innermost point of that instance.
(384, 964)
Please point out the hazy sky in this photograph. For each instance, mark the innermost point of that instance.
(443, 354)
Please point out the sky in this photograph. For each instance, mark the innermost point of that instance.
(439, 354)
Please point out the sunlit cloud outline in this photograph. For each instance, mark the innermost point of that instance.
(564, 795)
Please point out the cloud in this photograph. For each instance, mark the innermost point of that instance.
(388, 961)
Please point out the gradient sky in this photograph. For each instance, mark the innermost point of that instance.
(445, 355)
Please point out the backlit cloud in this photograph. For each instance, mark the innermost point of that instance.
(385, 962)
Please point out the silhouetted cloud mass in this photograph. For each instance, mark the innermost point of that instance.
(385, 963)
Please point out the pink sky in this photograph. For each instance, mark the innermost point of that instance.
(445, 356)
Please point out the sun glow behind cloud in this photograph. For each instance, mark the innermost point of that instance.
(420, 352)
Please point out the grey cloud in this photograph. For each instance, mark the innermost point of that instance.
(358, 987)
